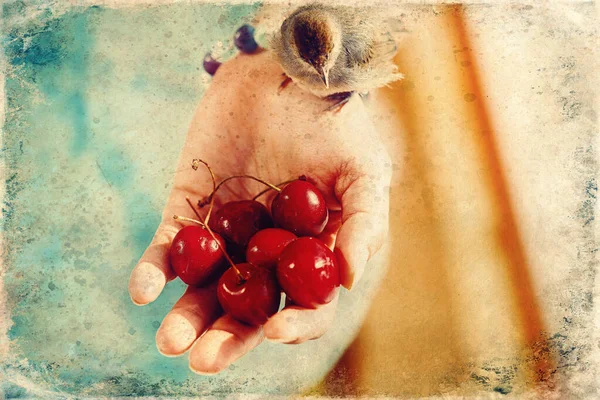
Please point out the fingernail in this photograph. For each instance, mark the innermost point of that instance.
(281, 340)
(167, 354)
(136, 303)
(146, 284)
(360, 267)
(349, 282)
(351, 268)
(175, 335)
(204, 373)
(208, 367)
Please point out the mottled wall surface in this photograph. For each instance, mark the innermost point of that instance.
(97, 104)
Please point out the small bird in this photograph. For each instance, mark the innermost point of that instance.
(335, 51)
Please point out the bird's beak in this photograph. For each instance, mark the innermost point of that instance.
(325, 76)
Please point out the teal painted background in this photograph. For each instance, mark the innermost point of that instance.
(98, 102)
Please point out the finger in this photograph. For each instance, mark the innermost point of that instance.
(190, 317)
(294, 324)
(365, 223)
(327, 188)
(330, 232)
(225, 341)
(153, 271)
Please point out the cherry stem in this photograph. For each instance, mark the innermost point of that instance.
(195, 163)
(266, 190)
(186, 219)
(205, 226)
(211, 196)
(187, 198)
(212, 204)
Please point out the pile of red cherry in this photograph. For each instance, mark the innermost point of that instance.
(272, 251)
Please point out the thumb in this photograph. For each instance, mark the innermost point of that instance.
(365, 222)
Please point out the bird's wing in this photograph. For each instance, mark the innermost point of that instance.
(367, 40)
(384, 47)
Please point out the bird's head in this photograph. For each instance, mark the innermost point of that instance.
(318, 40)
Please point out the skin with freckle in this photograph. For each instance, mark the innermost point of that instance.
(244, 126)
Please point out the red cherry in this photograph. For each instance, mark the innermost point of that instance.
(265, 247)
(300, 208)
(308, 273)
(238, 221)
(195, 256)
(251, 300)
(236, 252)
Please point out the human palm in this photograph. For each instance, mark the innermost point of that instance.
(244, 125)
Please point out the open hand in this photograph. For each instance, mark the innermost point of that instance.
(243, 125)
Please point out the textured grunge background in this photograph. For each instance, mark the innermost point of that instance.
(97, 100)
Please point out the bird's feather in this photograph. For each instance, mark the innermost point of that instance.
(365, 61)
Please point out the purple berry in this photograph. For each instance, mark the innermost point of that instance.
(244, 39)
(210, 64)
